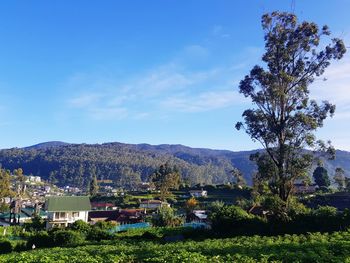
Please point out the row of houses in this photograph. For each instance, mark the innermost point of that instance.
(61, 211)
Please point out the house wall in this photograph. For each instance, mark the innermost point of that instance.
(63, 219)
(150, 206)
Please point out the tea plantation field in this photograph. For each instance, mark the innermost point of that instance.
(316, 247)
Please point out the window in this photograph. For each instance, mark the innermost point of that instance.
(75, 214)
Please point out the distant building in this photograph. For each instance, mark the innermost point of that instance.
(301, 188)
(145, 187)
(122, 216)
(153, 204)
(71, 189)
(47, 189)
(103, 215)
(197, 216)
(65, 210)
(103, 206)
(130, 216)
(33, 179)
(19, 213)
(198, 193)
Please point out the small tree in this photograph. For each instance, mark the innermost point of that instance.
(166, 217)
(191, 204)
(321, 177)
(284, 118)
(94, 186)
(166, 178)
(238, 175)
(339, 178)
(5, 184)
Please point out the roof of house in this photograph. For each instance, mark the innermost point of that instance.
(96, 204)
(110, 215)
(151, 202)
(67, 203)
(30, 211)
(119, 216)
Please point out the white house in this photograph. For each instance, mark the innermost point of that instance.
(65, 210)
(33, 179)
(198, 193)
(153, 204)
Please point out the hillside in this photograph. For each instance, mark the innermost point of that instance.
(74, 164)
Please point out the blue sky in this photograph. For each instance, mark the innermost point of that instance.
(146, 71)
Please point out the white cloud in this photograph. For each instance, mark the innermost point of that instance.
(336, 88)
(205, 101)
(155, 93)
(84, 100)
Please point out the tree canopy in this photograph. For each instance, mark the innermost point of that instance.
(166, 178)
(321, 177)
(284, 118)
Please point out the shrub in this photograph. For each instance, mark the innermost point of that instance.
(20, 245)
(98, 234)
(40, 239)
(166, 217)
(81, 226)
(67, 238)
(5, 246)
(234, 220)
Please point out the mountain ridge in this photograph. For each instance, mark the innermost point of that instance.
(75, 164)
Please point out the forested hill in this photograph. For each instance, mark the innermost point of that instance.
(125, 164)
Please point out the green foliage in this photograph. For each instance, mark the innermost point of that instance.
(76, 164)
(321, 177)
(4, 207)
(166, 178)
(40, 239)
(128, 179)
(239, 178)
(339, 178)
(296, 208)
(5, 246)
(285, 119)
(99, 231)
(36, 224)
(306, 248)
(5, 184)
(216, 206)
(326, 212)
(67, 238)
(80, 226)
(166, 217)
(233, 220)
(93, 186)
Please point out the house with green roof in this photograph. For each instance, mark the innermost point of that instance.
(65, 210)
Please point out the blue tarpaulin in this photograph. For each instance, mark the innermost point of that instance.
(129, 226)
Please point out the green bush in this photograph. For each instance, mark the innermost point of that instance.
(98, 234)
(67, 238)
(5, 246)
(40, 239)
(233, 220)
(80, 226)
(166, 217)
(20, 245)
